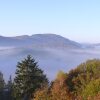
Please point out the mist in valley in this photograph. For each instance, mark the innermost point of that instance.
(50, 60)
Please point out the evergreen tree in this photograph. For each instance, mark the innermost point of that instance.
(28, 78)
(2, 84)
(10, 83)
(9, 86)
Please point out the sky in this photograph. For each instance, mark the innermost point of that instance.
(77, 20)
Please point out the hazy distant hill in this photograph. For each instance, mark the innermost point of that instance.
(39, 40)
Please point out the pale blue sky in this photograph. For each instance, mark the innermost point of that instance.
(78, 20)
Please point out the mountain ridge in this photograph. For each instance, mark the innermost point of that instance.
(51, 40)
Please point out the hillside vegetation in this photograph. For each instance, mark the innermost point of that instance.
(81, 83)
(30, 83)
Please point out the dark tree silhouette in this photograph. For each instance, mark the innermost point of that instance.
(28, 78)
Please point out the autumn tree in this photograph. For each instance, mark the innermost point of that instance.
(59, 89)
(42, 94)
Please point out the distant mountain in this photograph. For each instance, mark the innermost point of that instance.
(39, 40)
(96, 46)
(9, 41)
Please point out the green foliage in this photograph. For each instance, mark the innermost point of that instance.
(83, 74)
(28, 78)
(91, 89)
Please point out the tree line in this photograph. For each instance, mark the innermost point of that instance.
(30, 83)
